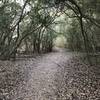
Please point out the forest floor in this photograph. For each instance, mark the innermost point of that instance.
(53, 76)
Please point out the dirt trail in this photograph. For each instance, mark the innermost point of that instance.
(53, 76)
(40, 85)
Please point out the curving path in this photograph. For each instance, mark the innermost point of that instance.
(41, 81)
(54, 76)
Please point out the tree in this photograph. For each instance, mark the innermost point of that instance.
(32, 24)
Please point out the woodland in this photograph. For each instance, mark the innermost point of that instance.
(32, 25)
(49, 49)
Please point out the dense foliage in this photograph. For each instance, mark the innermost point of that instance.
(30, 25)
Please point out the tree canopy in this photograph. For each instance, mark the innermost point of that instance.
(31, 23)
